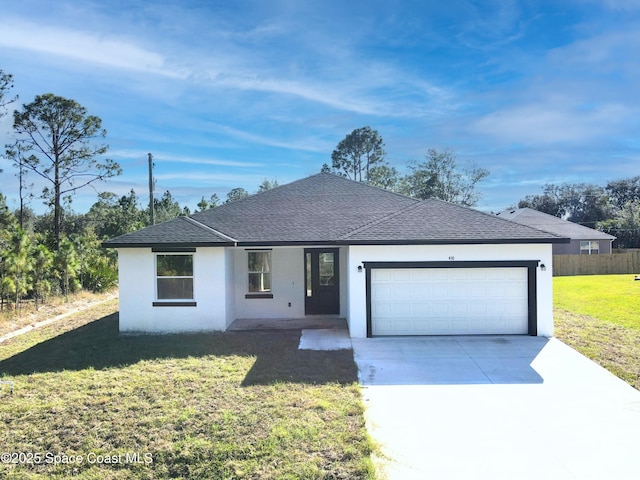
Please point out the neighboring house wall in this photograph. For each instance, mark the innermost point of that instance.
(573, 248)
(138, 279)
(359, 254)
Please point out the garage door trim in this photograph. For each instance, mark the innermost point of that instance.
(530, 265)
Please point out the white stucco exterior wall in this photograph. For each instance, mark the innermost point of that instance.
(137, 283)
(357, 255)
(230, 313)
(287, 284)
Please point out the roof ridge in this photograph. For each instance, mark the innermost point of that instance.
(209, 229)
(380, 220)
(365, 184)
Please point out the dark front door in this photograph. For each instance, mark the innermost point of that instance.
(322, 289)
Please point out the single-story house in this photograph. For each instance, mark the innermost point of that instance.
(329, 246)
(584, 240)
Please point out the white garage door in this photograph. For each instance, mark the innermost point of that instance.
(449, 301)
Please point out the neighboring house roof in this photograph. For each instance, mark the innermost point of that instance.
(555, 225)
(328, 209)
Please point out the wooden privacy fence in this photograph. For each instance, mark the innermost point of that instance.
(603, 264)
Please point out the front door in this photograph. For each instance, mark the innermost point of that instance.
(322, 289)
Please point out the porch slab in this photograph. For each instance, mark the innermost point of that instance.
(327, 323)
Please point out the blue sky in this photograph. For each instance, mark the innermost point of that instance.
(228, 93)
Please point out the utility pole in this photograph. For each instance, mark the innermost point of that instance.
(151, 189)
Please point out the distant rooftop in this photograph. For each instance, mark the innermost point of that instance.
(551, 224)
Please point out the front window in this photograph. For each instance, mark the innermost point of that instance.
(259, 263)
(589, 247)
(174, 277)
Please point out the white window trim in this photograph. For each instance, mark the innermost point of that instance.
(590, 249)
(156, 277)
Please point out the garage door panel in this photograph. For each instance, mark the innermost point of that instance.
(449, 301)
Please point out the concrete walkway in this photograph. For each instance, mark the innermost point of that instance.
(496, 408)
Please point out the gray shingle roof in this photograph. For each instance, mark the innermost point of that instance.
(321, 208)
(555, 225)
(435, 221)
(328, 209)
(178, 232)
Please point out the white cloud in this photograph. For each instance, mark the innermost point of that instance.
(84, 46)
(160, 157)
(549, 123)
(307, 143)
(243, 61)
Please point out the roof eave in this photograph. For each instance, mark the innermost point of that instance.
(457, 241)
(493, 241)
(299, 243)
(108, 244)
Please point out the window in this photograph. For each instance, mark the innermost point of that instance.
(174, 277)
(259, 271)
(325, 265)
(590, 247)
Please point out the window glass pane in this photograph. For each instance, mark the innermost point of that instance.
(259, 265)
(309, 287)
(259, 261)
(174, 265)
(175, 288)
(326, 269)
(259, 282)
(595, 247)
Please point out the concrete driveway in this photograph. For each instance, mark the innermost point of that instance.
(503, 407)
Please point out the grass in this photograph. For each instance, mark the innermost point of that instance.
(12, 319)
(598, 316)
(224, 406)
(611, 298)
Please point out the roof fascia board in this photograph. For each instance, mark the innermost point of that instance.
(336, 242)
(166, 245)
(404, 242)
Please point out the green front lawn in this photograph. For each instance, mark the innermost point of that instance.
(610, 298)
(223, 406)
(599, 315)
